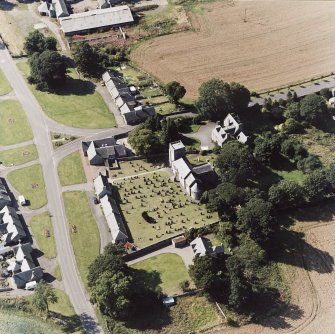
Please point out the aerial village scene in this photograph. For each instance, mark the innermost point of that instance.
(167, 166)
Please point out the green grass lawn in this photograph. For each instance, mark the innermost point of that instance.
(14, 126)
(29, 182)
(57, 273)
(168, 270)
(165, 202)
(86, 240)
(41, 226)
(63, 305)
(76, 104)
(71, 171)
(135, 167)
(5, 87)
(19, 156)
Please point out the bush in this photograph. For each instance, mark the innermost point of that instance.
(185, 285)
(308, 164)
(292, 126)
(326, 93)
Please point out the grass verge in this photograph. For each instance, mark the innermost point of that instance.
(168, 270)
(5, 87)
(29, 182)
(19, 156)
(71, 171)
(57, 273)
(41, 226)
(76, 104)
(14, 126)
(83, 230)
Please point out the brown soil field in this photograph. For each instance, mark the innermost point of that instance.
(309, 270)
(277, 43)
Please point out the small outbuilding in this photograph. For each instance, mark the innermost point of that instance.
(179, 241)
(21, 200)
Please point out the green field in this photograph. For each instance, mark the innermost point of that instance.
(170, 268)
(5, 87)
(19, 156)
(165, 202)
(41, 226)
(76, 104)
(71, 171)
(29, 182)
(86, 240)
(14, 126)
(18, 322)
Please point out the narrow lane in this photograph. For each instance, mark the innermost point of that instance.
(72, 282)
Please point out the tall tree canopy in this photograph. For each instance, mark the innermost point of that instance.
(48, 69)
(87, 60)
(235, 163)
(256, 220)
(37, 42)
(313, 108)
(218, 98)
(143, 141)
(43, 295)
(175, 91)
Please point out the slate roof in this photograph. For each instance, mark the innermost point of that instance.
(95, 19)
(201, 246)
(109, 141)
(102, 186)
(22, 278)
(60, 8)
(11, 225)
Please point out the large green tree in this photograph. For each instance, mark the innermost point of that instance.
(143, 141)
(286, 194)
(313, 108)
(175, 91)
(316, 185)
(256, 220)
(111, 259)
(111, 292)
(267, 147)
(218, 98)
(87, 60)
(48, 69)
(235, 163)
(36, 42)
(43, 295)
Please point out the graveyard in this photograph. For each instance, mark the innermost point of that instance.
(156, 208)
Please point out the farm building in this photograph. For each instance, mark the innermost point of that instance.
(193, 179)
(124, 97)
(231, 128)
(96, 20)
(110, 209)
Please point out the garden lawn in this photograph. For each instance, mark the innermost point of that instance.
(14, 126)
(5, 87)
(86, 240)
(171, 270)
(164, 201)
(19, 156)
(41, 225)
(71, 171)
(76, 104)
(29, 182)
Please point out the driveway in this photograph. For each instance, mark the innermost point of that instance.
(203, 135)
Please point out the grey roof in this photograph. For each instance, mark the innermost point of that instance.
(98, 143)
(60, 7)
(4, 195)
(203, 169)
(201, 246)
(114, 219)
(98, 18)
(22, 278)
(11, 224)
(102, 186)
(106, 152)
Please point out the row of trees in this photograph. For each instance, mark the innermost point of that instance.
(47, 66)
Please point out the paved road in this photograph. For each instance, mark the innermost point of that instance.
(72, 282)
(204, 135)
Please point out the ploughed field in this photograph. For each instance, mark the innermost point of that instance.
(261, 44)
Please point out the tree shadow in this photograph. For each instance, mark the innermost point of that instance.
(280, 321)
(149, 279)
(89, 324)
(295, 251)
(76, 87)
